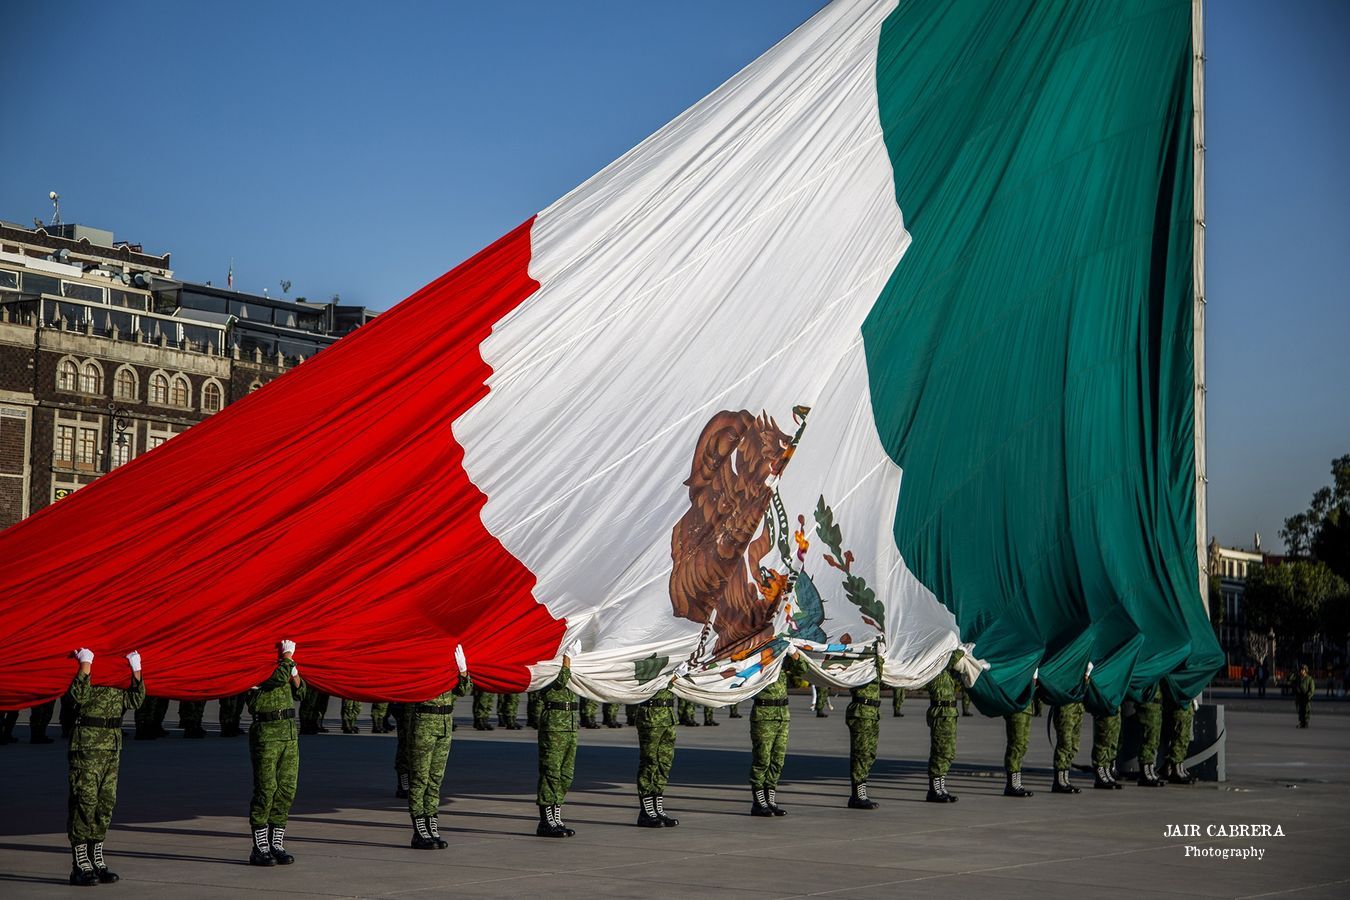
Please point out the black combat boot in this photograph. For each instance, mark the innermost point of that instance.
(668, 821)
(1111, 775)
(481, 724)
(105, 875)
(261, 855)
(277, 834)
(435, 830)
(1061, 784)
(937, 790)
(557, 817)
(734, 714)
(647, 817)
(771, 797)
(401, 791)
(1148, 777)
(1101, 778)
(1014, 788)
(422, 839)
(1177, 774)
(82, 871)
(548, 827)
(859, 799)
(760, 807)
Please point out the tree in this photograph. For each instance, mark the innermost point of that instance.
(1290, 598)
(1297, 534)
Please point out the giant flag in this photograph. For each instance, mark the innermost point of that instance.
(886, 346)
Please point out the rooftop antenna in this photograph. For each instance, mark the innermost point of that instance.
(56, 207)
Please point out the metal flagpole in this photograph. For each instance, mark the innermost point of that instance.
(1198, 291)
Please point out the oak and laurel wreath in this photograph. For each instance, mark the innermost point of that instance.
(855, 586)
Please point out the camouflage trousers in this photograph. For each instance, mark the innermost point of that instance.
(768, 751)
(276, 774)
(532, 707)
(39, 717)
(708, 718)
(863, 734)
(610, 712)
(1105, 739)
(589, 709)
(1017, 726)
(190, 714)
(378, 711)
(1303, 706)
(231, 711)
(351, 711)
(941, 743)
(428, 749)
(630, 713)
(507, 707)
(656, 754)
(401, 741)
(1068, 721)
(897, 699)
(93, 793)
(557, 766)
(1179, 733)
(482, 705)
(151, 713)
(313, 709)
(1150, 724)
(688, 711)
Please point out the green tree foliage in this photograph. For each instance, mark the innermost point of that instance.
(1293, 598)
(1322, 532)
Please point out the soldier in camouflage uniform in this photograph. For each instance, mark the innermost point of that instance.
(401, 778)
(610, 715)
(429, 726)
(1148, 710)
(351, 713)
(558, 723)
(1303, 688)
(532, 706)
(1178, 717)
(39, 717)
(1105, 746)
(820, 701)
(656, 754)
(589, 711)
(190, 715)
(1017, 726)
(708, 718)
(734, 711)
(630, 713)
(770, 722)
(897, 702)
(1068, 722)
(864, 730)
(231, 711)
(688, 713)
(942, 716)
(313, 710)
(95, 752)
(482, 709)
(508, 704)
(274, 750)
(379, 717)
(150, 718)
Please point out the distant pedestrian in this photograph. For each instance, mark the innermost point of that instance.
(1262, 676)
(1246, 681)
(1303, 688)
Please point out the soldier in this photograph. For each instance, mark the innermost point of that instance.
(558, 722)
(533, 703)
(39, 717)
(379, 715)
(965, 699)
(708, 716)
(1178, 717)
(429, 726)
(482, 709)
(770, 721)
(820, 701)
(350, 712)
(897, 701)
(313, 710)
(1105, 746)
(942, 717)
(231, 711)
(1017, 726)
(150, 718)
(864, 729)
(95, 753)
(1303, 688)
(70, 711)
(401, 778)
(656, 753)
(687, 713)
(734, 711)
(507, 706)
(630, 714)
(190, 715)
(1068, 722)
(610, 713)
(274, 750)
(589, 710)
(1149, 712)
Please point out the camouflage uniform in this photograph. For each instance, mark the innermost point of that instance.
(708, 716)
(482, 709)
(231, 711)
(1105, 746)
(39, 717)
(1178, 717)
(558, 723)
(274, 748)
(734, 711)
(942, 716)
(630, 713)
(1303, 688)
(821, 702)
(1068, 722)
(351, 711)
(379, 713)
(1149, 712)
(508, 705)
(532, 707)
(897, 701)
(688, 713)
(1017, 726)
(610, 713)
(965, 699)
(864, 729)
(656, 753)
(190, 715)
(313, 710)
(400, 713)
(770, 722)
(429, 725)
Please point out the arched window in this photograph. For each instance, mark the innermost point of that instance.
(124, 384)
(180, 392)
(91, 378)
(254, 386)
(67, 376)
(159, 389)
(211, 397)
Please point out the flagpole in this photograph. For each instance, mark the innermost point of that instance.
(1198, 292)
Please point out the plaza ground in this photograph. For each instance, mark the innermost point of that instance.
(180, 829)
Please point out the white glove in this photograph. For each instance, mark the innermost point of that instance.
(294, 671)
(84, 655)
(573, 649)
(134, 657)
(287, 647)
(682, 669)
(1088, 674)
(460, 662)
(792, 649)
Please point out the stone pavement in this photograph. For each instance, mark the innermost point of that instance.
(180, 829)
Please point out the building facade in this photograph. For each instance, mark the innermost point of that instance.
(104, 356)
(1231, 565)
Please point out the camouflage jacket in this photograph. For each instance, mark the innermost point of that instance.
(557, 692)
(463, 687)
(658, 711)
(102, 702)
(776, 693)
(1305, 687)
(860, 708)
(942, 690)
(273, 695)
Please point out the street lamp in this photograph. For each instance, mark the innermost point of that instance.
(117, 436)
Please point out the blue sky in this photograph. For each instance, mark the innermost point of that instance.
(364, 149)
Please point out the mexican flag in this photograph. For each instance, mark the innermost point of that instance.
(887, 346)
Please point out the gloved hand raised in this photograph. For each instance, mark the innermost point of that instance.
(792, 650)
(134, 657)
(287, 648)
(84, 655)
(460, 662)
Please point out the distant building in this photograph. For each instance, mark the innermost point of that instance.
(104, 355)
(1232, 565)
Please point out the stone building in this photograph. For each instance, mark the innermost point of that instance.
(105, 356)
